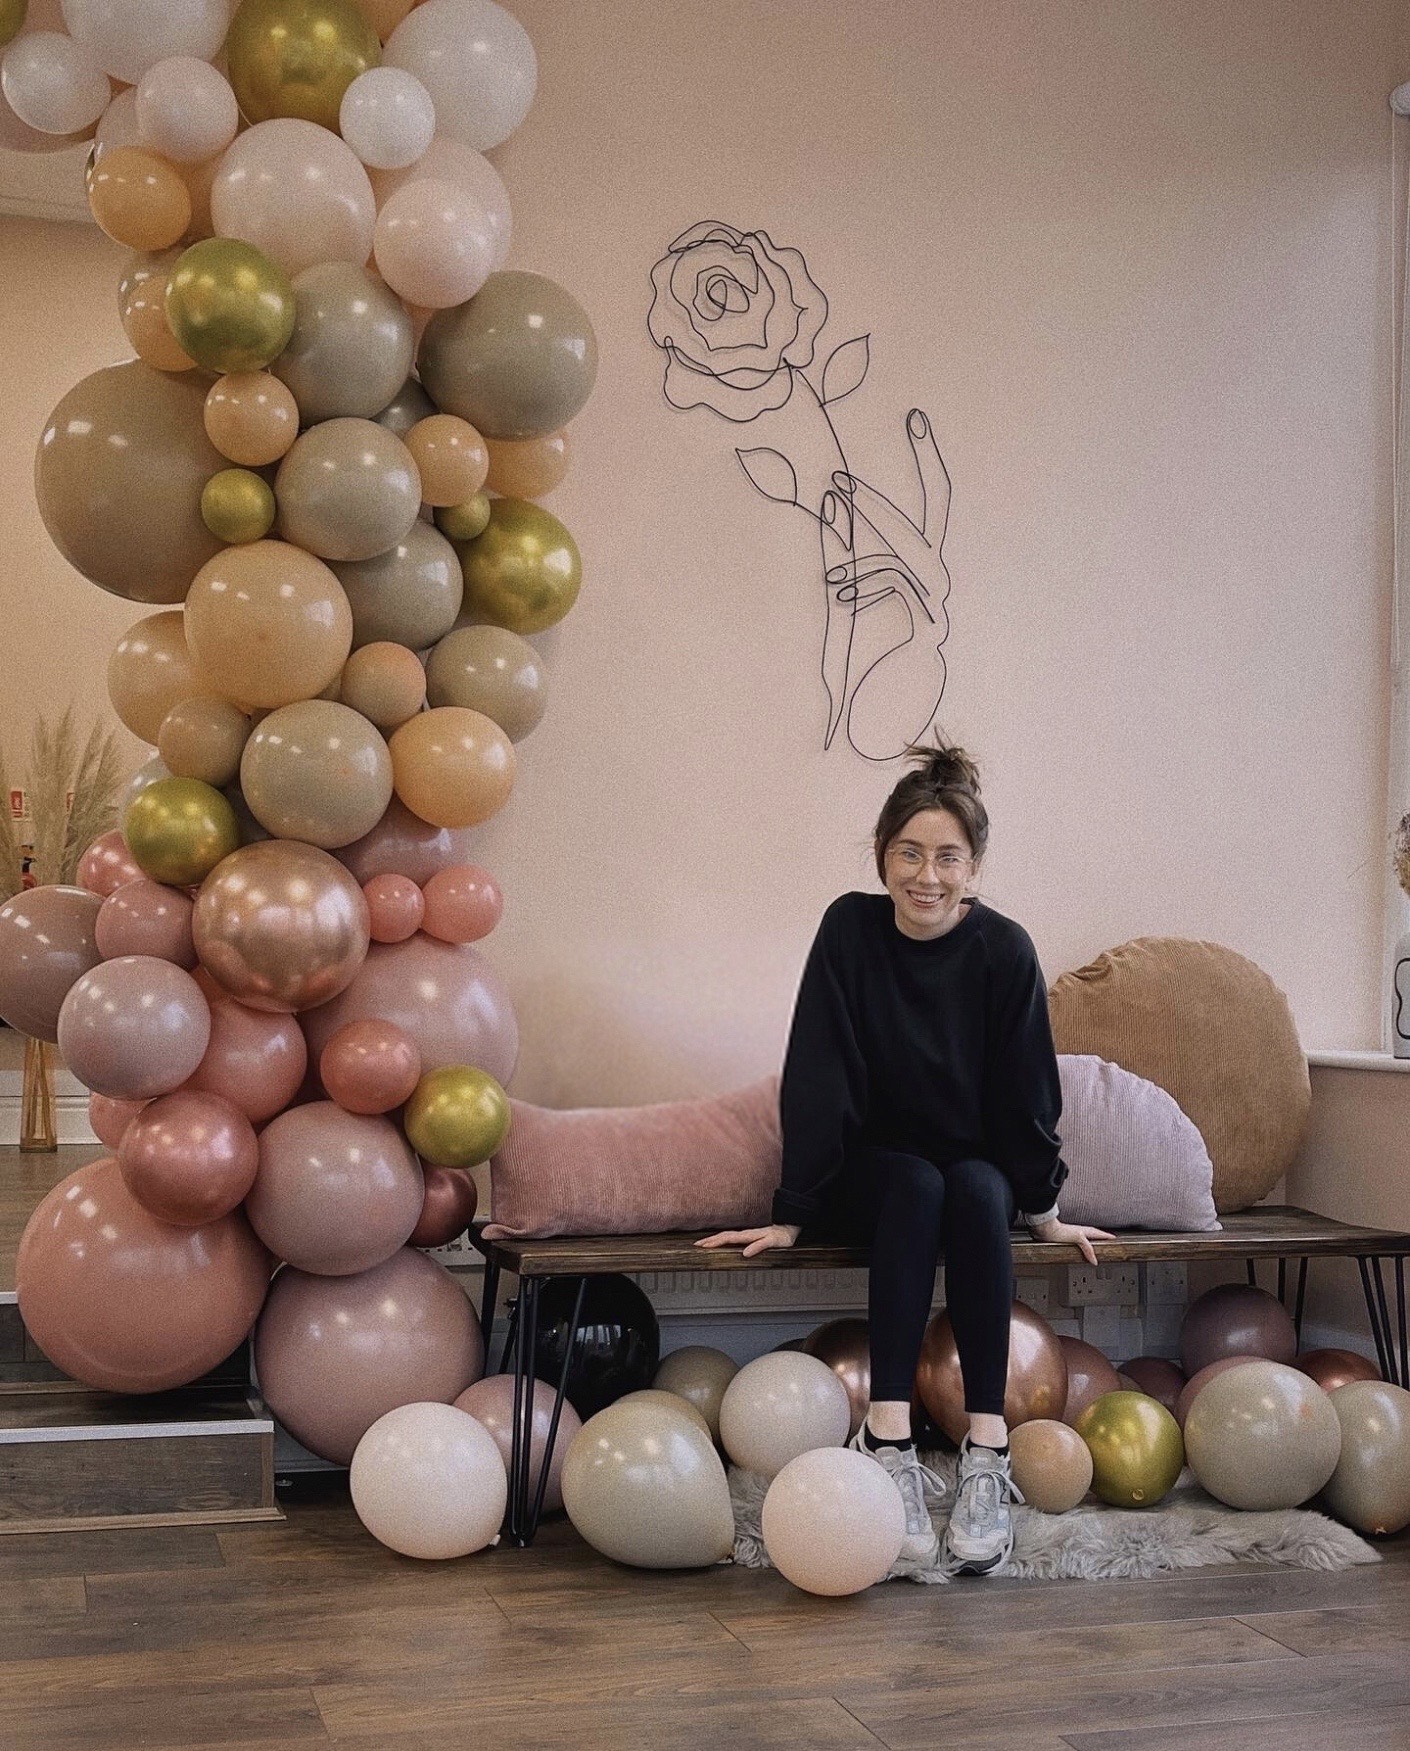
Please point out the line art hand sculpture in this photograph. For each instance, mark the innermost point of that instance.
(739, 320)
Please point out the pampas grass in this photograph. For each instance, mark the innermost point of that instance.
(60, 768)
(11, 865)
(1402, 854)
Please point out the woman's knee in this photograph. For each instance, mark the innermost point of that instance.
(979, 1189)
(913, 1185)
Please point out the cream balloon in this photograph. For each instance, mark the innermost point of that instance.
(434, 243)
(447, 160)
(52, 83)
(699, 1374)
(427, 1480)
(1370, 1488)
(833, 1521)
(671, 1401)
(387, 117)
(149, 672)
(477, 62)
(129, 36)
(185, 110)
(779, 1406)
(297, 192)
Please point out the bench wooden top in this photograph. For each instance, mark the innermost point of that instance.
(1270, 1231)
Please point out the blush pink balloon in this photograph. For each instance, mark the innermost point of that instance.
(491, 1402)
(135, 1027)
(145, 918)
(395, 907)
(403, 844)
(47, 944)
(463, 904)
(256, 1059)
(370, 1066)
(107, 865)
(189, 1158)
(110, 1117)
(449, 1206)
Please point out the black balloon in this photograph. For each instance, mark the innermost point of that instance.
(619, 1341)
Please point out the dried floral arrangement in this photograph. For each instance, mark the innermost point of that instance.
(72, 785)
(1402, 853)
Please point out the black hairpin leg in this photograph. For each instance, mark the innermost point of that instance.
(510, 1336)
(560, 1393)
(1252, 1270)
(526, 1496)
(487, 1304)
(1392, 1373)
(1373, 1315)
(1300, 1297)
(1400, 1319)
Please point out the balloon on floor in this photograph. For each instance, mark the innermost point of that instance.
(1370, 1488)
(1137, 1453)
(845, 1345)
(1052, 1464)
(617, 1346)
(1263, 1436)
(427, 1480)
(299, 191)
(833, 1521)
(699, 1373)
(779, 1406)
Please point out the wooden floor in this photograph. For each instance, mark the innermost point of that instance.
(310, 1634)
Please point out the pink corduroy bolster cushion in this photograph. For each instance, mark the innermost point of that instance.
(711, 1163)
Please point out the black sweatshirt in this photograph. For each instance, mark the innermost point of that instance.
(942, 1048)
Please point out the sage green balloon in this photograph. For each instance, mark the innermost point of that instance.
(410, 595)
(492, 670)
(348, 489)
(407, 408)
(1262, 1436)
(517, 360)
(1370, 1488)
(316, 771)
(352, 345)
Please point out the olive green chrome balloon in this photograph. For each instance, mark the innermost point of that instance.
(457, 1116)
(11, 20)
(464, 522)
(230, 307)
(524, 572)
(298, 57)
(237, 505)
(1137, 1452)
(179, 829)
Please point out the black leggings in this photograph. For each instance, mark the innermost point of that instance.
(911, 1212)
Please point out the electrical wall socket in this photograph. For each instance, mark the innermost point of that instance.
(1166, 1283)
(1033, 1292)
(1106, 1286)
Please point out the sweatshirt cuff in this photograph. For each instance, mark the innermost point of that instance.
(793, 1207)
(1036, 1218)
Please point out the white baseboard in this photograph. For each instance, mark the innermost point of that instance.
(71, 1114)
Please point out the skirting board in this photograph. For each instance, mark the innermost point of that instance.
(71, 1115)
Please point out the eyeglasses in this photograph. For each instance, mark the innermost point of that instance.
(908, 858)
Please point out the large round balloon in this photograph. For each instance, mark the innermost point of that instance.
(150, 671)
(410, 595)
(268, 624)
(1089, 1375)
(387, 117)
(298, 57)
(518, 360)
(1370, 1488)
(434, 243)
(1037, 1376)
(281, 925)
(118, 478)
(493, 671)
(428, 1481)
(186, 111)
(134, 1028)
(781, 1405)
(1137, 1453)
(644, 1486)
(1262, 1436)
(618, 1342)
(403, 844)
(446, 996)
(1236, 1319)
(297, 192)
(48, 941)
(348, 490)
(255, 1060)
(491, 1402)
(524, 571)
(335, 1353)
(189, 1158)
(453, 767)
(230, 307)
(317, 771)
(127, 1303)
(698, 1373)
(845, 1345)
(352, 344)
(138, 199)
(476, 61)
(833, 1522)
(126, 37)
(147, 918)
(336, 1192)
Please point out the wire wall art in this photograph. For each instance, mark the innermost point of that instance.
(740, 322)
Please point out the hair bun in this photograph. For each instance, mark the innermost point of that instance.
(945, 765)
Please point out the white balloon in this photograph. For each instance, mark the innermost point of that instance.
(449, 160)
(428, 1480)
(297, 192)
(833, 1521)
(18, 136)
(434, 244)
(387, 117)
(185, 110)
(52, 83)
(476, 61)
(128, 36)
(779, 1406)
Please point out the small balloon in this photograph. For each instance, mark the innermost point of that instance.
(387, 117)
(490, 670)
(464, 522)
(448, 1209)
(457, 1116)
(462, 904)
(454, 768)
(348, 490)
(451, 458)
(352, 345)
(146, 918)
(150, 671)
(296, 192)
(106, 865)
(1137, 1453)
(189, 1158)
(134, 1028)
(251, 418)
(237, 506)
(527, 468)
(316, 771)
(434, 243)
(410, 595)
(385, 682)
(395, 907)
(47, 943)
(203, 737)
(477, 62)
(138, 199)
(254, 1060)
(53, 84)
(110, 1117)
(186, 111)
(179, 829)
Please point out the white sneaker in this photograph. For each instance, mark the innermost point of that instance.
(979, 1538)
(919, 1486)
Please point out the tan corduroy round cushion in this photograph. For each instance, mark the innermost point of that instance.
(1211, 1029)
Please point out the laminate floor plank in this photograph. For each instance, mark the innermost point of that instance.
(148, 1721)
(119, 1550)
(1356, 1629)
(1369, 1730)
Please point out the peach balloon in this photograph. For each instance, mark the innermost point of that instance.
(370, 1066)
(527, 468)
(463, 904)
(448, 1208)
(189, 1158)
(255, 1059)
(203, 736)
(150, 671)
(251, 418)
(491, 1402)
(395, 906)
(143, 314)
(107, 864)
(451, 457)
(385, 682)
(403, 844)
(1052, 1465)
(268, 624)
(146, 918)
(110, 1117)
(124, 1302)
(452, 766)
(138, 199)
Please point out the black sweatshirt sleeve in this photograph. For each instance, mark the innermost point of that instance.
(823, 1095)
(1023, 1096)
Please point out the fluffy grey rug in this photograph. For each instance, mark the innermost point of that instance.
(1188, 1530)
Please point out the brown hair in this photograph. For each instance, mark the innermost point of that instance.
(945, 777)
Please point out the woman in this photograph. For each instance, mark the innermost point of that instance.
(920, 1103)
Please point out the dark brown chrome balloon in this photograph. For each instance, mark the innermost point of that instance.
(1155, 1375)
(1334, 1368)
(449, 1208)
(844, 1344)
(1037, 1376)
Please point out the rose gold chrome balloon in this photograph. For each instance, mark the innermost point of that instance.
(189, 1158)
(1334, 1368)
(1089, 1375)
(844, 1344)
(1155, 1375)
(449, 1207)
(1037, 1376)
(281, 925)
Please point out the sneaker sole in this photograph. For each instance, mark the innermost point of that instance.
(984, 1565)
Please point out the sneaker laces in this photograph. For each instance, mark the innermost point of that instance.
(984, 1491)
(919, 1486)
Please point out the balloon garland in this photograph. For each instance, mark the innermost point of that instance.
(269, 976)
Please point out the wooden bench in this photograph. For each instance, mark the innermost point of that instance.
(1278, 1232)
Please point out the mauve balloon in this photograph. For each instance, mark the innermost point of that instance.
(447, 996)
(448, 1208)
(256, 1059)
(370, 1067)
(1155, 1375)
(47, 943)
(126, 1303)
(335, 1353)
(403, 844)
(147, 918)
(189, 1158)
(336, 1192)
(110, 1118)
(491, 1402)
(1236, 1319)
(107, 864)
(1089, 1375)
(135, 1027)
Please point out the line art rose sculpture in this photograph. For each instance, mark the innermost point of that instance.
(739, 320)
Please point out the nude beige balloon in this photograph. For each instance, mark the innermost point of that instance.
(1052, 1464)
(251, 417)
(490, 670)
(203, 736)
(833, 1522)
(451, 457)
(428, 1481)
(452, 767)
(671, 1401)
(138, 199)
(142, 308)
(348, 490)
(268, 624)
(149, 672)
(317, 771)
(385, 682)
(527, 468)
(699, 1374)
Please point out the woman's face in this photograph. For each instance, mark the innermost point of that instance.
(928, 867)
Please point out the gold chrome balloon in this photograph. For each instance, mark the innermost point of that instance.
(298, 57)
(237, 505)
(1136, 1448)
(179, 829)
(457, 1116)
(230, 307)
(464, 522)
(11, 19)
(524, 571)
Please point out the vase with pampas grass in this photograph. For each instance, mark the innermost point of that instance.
(1400, 971)
(72, 788)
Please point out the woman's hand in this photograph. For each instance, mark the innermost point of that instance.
(1078, 1234)
(754, 1240)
